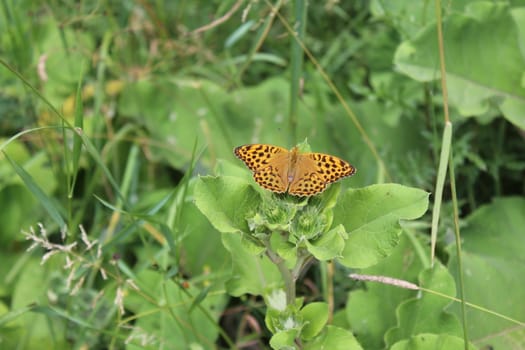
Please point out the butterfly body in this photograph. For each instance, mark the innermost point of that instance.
(300, 174)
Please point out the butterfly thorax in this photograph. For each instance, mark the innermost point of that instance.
(294, 153)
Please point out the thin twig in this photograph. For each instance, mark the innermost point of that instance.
(219, 20)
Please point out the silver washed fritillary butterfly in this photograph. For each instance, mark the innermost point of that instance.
(300, 174)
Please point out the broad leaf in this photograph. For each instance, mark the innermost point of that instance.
(225, 201)
(494, 266)
(432, 342)
(251, 274)
(315, 316)
(371, 217)
(483, 58)
(329, 245)
(425, 313)
(372, 310)
(334, 338)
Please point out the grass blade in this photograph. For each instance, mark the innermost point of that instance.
(35, 189)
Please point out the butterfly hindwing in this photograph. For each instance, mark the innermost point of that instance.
(270, 179)
(307, 185)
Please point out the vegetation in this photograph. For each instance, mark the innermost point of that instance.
(127, 222)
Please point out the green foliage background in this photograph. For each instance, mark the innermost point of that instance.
(166, 90)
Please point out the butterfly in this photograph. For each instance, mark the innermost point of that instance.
(300, 174)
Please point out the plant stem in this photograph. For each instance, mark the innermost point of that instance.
(289, 282)
(286, 274)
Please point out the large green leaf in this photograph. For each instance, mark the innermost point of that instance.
(251, 274)
(315, 316)
(432, 342)
(425, 313)
(334, 338)
(329, 245)
(65, 53)
(32, 331)
(202, 245)
(494, 269)
(30, 180)
(372, 311)
(371, 217)
(225, 201)
(16, 214)
(408, 16)
(483, 57)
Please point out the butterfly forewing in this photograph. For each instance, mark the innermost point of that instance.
(331, 168)
(268, 163)
(257, 156)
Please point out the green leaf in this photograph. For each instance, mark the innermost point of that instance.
(34, 329)
(372, 310)
(26, 209)
(432, 342)
(238, 34)
(79, 124)
(329, 245)
(16, 214)
(65, 61)
(371, 217)
(220, 114)
(39, 193)
(475, 42)
(425, 313)
(226, 201)
(284, 340)
(282, 246)
(203, 244)
(8, 319)
(250, 274)
(493, 260)
(203, 294)
(409, 16)
(315, 316)
(334, 338)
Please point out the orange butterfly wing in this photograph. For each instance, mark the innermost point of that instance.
(268, 163)
(314, 171)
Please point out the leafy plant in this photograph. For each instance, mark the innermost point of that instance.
(287, 233)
